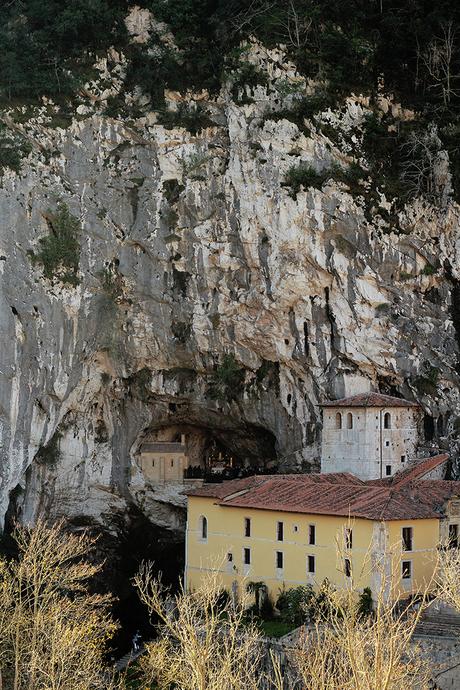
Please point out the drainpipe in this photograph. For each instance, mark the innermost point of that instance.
(381, 443)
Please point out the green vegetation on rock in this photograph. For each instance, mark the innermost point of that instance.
(227, 382)
(59, 252)
(13, 147)
(303, 175)
(47, 44)
(411, 50)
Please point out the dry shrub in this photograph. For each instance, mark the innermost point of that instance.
(53, 632)
(205, 643)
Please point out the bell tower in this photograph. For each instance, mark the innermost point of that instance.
(371, 435)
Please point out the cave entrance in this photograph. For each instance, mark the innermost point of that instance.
(178, 452)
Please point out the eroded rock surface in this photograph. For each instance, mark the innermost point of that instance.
(191, 247)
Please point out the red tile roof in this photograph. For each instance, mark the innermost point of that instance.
(339, 494)
(419, 469)
(370, 400)
(163, 447)
(417, 500)
(228, 488)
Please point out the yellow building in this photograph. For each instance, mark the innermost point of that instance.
(289, 530)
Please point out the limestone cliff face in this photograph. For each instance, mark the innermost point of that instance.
(191, 248)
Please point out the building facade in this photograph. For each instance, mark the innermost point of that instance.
(290, 530)
(370, 435)
(164, 461)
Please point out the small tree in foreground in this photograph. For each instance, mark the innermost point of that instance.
(448, 575)
(352, 652)
(352, 649)
(204, 644)
(53, 632)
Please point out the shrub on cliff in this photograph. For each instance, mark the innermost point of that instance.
(227, 382)
(13, 147)
(59, 252)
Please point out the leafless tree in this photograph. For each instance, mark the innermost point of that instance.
(347, 650)
(295, 28)
(421, 155)
(247, 17)
(208, 646)
(52, 630)
(204, 644)
(438, 58)
(448, 576)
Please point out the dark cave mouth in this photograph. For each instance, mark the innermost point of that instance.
(212, 450)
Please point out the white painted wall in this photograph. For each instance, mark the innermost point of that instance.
(368, 448)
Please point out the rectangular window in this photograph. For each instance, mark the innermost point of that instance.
(247, 556)
(279, 560)
(172, 463)
(407, 538)
(388, 470)
(406, 570)
(348, 538)
(310, 564)
(280, 531)
(247, 527)
(311, 535)
(347, 567)
(387, 443)
(403, 458)
(230, 557)
(453, 536)
(153, 463)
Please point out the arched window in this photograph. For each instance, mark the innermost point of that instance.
(338, 421)
(387, 420)
(203, 527)
(349, 421)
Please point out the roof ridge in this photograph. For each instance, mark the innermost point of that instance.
(370, 399)
(419, 469)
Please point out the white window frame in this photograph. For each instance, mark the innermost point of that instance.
(280, 522)
(407, 579)
(246, 566)
(247, 523)
(411, 550)
(279, 571)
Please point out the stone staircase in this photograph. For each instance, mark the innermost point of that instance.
(445, 625)
(127, 659)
